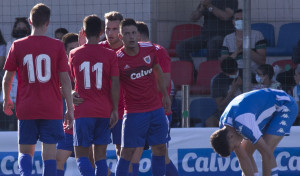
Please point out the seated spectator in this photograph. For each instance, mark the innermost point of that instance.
(296, 93)
(264, 78)
(217, 24)
(225, 86)
(59, 33)
(286, 78)
(233, 45)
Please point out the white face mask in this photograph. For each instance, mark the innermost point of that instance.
(234, 76)
(259, 79)
(238, 24)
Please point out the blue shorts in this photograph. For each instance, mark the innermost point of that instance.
(88, 131)
(116, 132)
(66, 143)
(282, 121)
(139, 127)
(47, 131)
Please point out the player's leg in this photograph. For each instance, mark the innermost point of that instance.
(83, 162)
(135, 161)
(51, 131)
(64, 151)
(83, 134)
(157, 139)
(28, 136)
(91, 156)
(100, 160)
(171, 170)
(280, 126)
(49, 159)
(61, 158)
(116, 137)
(26, 153)
(101, 140)
(158, 159)
(134, 129)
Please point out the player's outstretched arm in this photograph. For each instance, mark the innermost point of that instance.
(268, 159)
(8, 105)
(162, 87)
(115, 94)
(66, 89)
(244, 160)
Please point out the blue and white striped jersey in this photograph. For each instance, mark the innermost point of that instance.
(251, 112)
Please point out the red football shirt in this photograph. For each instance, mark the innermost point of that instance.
(138, 80)
(121, 100)
(92, 66)
(38, 60)
(165, 64)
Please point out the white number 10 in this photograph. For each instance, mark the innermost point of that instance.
(42, 77)
(85, 67)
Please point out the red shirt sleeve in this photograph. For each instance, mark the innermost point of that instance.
(11, 61)
(164, 60)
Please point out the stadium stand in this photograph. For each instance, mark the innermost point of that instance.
(181, 32)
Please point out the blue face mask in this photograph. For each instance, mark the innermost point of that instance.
(234, 76)
(259, 79)
(238, 24)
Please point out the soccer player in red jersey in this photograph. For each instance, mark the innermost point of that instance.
(112, 22)
(65, 147)
(165, 63)
(42, 66)
(96, 73)
(144, 116)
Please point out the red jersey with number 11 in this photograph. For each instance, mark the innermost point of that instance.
(92, 66)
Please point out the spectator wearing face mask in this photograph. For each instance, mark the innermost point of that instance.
(224, 87)
(21, 29)
(264, 78)
(233, 45)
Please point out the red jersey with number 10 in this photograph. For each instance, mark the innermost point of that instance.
(38, 59)
(138, 80)
(92, 66)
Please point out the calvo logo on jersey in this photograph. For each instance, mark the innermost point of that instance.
(147, 59)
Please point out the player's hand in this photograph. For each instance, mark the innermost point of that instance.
(166, 104)
(8, 105)
(81, 37)
(114, 117)
(69, 119)
(76, 98)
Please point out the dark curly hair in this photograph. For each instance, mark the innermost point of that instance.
(219, 142)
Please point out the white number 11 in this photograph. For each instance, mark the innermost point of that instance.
(85, 67)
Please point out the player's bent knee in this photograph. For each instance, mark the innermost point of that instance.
(159, 150)
(127, 153)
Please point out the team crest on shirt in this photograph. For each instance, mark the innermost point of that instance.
(147, 59)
